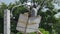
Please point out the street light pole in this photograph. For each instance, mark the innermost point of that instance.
(26, 8)
(6, 21)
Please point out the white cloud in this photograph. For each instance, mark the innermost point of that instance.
(57, 15)
(56, 6)
(29, 3)
(44, 9)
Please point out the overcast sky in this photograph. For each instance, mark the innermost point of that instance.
(7, 1)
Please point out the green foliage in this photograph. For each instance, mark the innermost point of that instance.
(2, 8)
(57, 26)
(19, 33)
(41, 29)
(44, 31)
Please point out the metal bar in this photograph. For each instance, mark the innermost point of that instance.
(26, 25)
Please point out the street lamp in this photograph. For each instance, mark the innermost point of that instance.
(28, 4)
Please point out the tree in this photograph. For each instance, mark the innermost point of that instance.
(48, 21)
(2, 8)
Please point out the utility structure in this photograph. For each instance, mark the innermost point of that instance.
(26, 25)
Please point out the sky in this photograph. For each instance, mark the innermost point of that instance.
(7, 1)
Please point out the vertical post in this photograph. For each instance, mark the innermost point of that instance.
(6, 21)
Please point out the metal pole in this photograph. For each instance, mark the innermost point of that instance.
(26, 26)
(6, 21)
